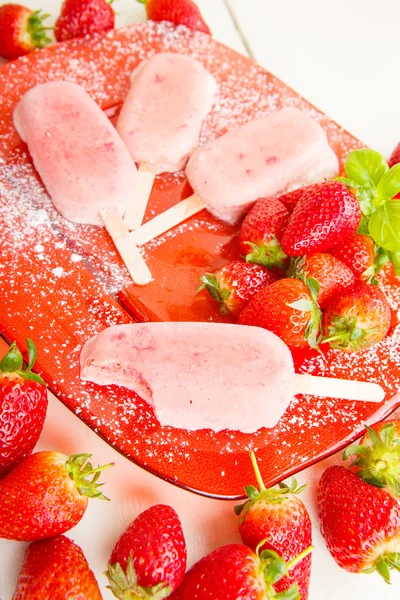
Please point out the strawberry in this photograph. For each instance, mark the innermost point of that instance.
(361, 254)
(56, 569)
(180, 12)
(21, 30)
(261, 233)
(83, 17)
(149, 559)
(235, 572)
(357, 252)
(46, 495)
(278, 518)
(360, 523)
(377, 456)
(395, 157)
(332, 275)
(357, 318)
(326, 214)
(288, 308)
(290, 199)
(23, 406)
(234, 284)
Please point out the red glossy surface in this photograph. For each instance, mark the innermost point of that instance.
(62, 283)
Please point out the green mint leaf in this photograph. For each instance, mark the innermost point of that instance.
(384, 226)
(363, 226)
(366, 167)
(389, 184)
(395, 258)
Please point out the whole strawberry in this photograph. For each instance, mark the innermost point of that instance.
(56, 569)
(360, 523)
(235, 572)
(395, 157)
(326, 214)
(357, 318)
(377, 456)
(279, 518)
(180, 12)
(83, 17)
(149, 559)
(261, 233)
(23, 406)
(46, 495)
(290, 199)
(288, 308)
(360, 253)
(234, 284)
(21, 30)
(332, 275)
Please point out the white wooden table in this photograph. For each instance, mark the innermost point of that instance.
(342, 56)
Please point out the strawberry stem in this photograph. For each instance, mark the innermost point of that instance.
(292, 563)
(257, 473)
(79, 468)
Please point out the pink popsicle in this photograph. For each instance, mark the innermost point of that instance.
(197, 375)
(77, 152)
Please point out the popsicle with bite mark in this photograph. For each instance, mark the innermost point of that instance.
(208, 375)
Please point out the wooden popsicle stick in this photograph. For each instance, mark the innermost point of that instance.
(145, 179)
(168, 219)
(339, 388)
(128, 251)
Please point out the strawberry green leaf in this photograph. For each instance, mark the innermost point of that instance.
(32, 353)
(12, 361)
(384, 226)
(252, 492)
(269, 255)
(313, 287)
(290, 594)
(303, 305)
(389, 184)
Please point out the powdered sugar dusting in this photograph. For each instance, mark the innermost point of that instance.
(60, 280)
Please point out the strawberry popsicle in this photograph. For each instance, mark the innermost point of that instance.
(266, 157)
(281, 151)
(77, 152)
(205, 375)
(161, 118)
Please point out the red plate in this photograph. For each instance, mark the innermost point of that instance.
(61, 283)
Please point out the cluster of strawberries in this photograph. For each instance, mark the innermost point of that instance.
(311, 258)
(22, 30)
(45, 494)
